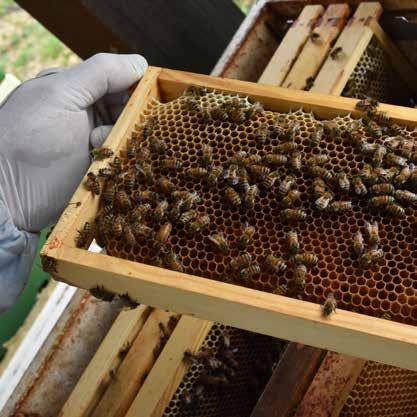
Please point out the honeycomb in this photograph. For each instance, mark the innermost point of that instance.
(374, 76)
(243, 392)
(385, 289)
(382, 391)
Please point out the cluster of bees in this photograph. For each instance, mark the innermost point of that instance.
(165, 332)
(152, 214)
(219, 370)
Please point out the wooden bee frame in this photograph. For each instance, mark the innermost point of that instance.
(291, 319)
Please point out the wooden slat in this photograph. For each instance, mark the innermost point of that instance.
(331, 386)
(353, 40)
(290, 46)
(398, 61)
(95, 378)
(289, 382)
(131, 374)
(170, 368)
(314, 53)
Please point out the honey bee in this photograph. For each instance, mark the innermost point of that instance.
(253, 159)
(275, 159)
(339, 207)
(196, 173)
(259, 171)
(382, 200)
(102, 293)
(139, 212)
(123, 200)
(232, 197)
(300, 274)
(129, 235)
(200, 223)
(293, 215)
(92, 184)
(141, 230)
(219, 113)
(404, 175)
(171, 261)
(370, 257)
(286, 184)
(165, 186)
(396, 160)
(358, 244)
(393, 142)
(337, 53)
(317, 135)
(116, 164)
(292, 197)
(413, 178)
(192, 104)
(101, 153)
(406, 196)
(220, 242)
(145, 169)
(262, 133)
(214, 175)
(187, 216)
(366, 104)
(129, 181)
(143, 154)
(241, 261)
(230, 174)
(256, 109)
(323, 201)
(157, 145)
(239, 159)
(368, 148)
(358, 186)
(250, 196)
(148, 127)
(207, 155)
(189, 200)
(293, 242)
(237, 115)
(160, 210)
(246, 237)
(385, 175)
(379, 155)
(205, 116)
(315, 37)
(395, 210)
(247, 273)
(382, 117)
(243, 184)
(319, 187)
(171, 164)
(81, 241)
(196, 91)
(275, 264)
(162, 235)
(145, 196)
(295, 161)
(384, 188)
(309, 83)
(306, 258)
(106, 172)
(342, 181)
(131, 148)
(109, 192)
(372, 233)
(117, 226)
(329, 305)
(368, 174)
(49, 264)
(269, 181)
(287, 147)
(331, 128)
(320, 172)
(281, 290)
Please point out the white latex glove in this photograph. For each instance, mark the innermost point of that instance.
(47, 128)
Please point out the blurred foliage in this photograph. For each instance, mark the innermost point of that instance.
(245, 5)
(26, 47)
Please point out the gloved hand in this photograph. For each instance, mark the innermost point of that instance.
(47, 128)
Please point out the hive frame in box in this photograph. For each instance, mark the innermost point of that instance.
(282, 317)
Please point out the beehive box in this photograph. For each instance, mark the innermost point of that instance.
(253, 308)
